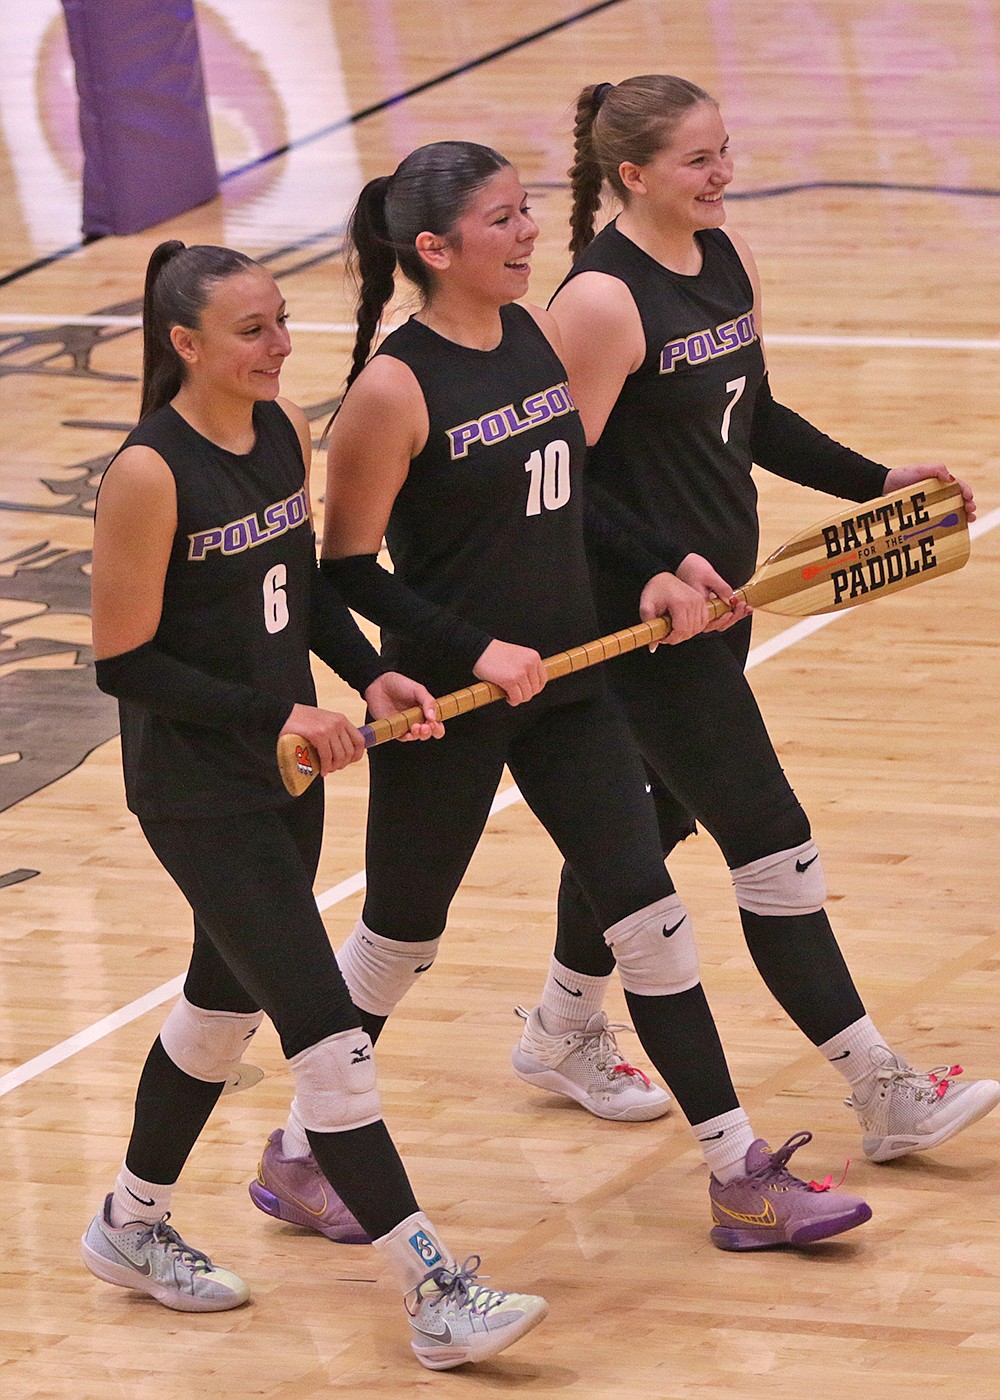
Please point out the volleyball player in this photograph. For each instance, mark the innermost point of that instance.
(206, 602)
(459, 442)
(660, 323)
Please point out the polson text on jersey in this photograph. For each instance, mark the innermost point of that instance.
(247, 533)
(507, 422)
(709, 344)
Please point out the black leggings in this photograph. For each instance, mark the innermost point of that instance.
(709, 757)
(580, 774)
(259, 940)
(707, 750)
(260, 944)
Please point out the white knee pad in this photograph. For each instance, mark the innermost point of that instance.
(380, 971)
(207, 1045)
(335, 1086)
(789, 882)
(654, 949)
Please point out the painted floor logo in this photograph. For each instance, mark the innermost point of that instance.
(51, 717)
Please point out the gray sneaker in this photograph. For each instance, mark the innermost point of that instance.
(154, 1259)
(910, 1110)
(588, 1067)
(454, 1319)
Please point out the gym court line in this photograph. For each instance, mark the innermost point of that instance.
(871, 342)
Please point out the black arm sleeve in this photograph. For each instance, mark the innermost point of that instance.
(784, 443)
(175, 690)
(379, 595)
(337, 639)
(623, 540)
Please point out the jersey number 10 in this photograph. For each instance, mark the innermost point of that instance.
(549, 486)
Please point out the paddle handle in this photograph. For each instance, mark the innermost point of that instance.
(299, 762)
(564, 663)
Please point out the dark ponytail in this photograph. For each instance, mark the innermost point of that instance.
(585, 173)
(371, 262)
(631, 121)
(429, 193)
(179, 282)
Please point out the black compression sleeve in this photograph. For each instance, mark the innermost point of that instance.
(615, 533)
(166, 686)
(787, 445)
(338, 640)
(383, 598)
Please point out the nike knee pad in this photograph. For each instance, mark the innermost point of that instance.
(335, 1086)
(654, 949)
(207, 1045)
(789, 882)
(380, 971)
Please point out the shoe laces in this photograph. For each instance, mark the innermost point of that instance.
(775, 1169)
(461, 1287)
(936, 1081)
(177, 1249)
(602, 1047)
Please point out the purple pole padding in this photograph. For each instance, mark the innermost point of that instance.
(147, 142)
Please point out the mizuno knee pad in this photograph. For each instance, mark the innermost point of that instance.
(335, 1086)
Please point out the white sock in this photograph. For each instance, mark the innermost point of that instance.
(569, 999)
(135, 1199)
(411, 1249)
(849, 1051)
(294, 1142)
(725, 1141)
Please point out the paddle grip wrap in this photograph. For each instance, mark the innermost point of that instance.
(563, 663)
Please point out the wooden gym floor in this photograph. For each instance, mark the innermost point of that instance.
(865, 135)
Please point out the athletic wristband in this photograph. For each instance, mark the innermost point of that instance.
(383, 598)
(613, 530)
(784, 443)
(337, 639)
(166, 686)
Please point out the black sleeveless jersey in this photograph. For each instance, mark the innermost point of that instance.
(489, 522)
(676, 446)
(236, 602)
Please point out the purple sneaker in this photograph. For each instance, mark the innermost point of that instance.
(769, 1206)
(294, 1189)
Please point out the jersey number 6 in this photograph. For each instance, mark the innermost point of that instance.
(275, 599)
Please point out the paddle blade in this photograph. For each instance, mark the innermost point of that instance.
(298, 763)
(866, 551)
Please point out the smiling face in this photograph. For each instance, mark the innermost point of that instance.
(241, 341)
(682, 186)
(487, 253)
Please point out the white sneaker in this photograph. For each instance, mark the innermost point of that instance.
(156, 1260)
(588, 1067)
(454, 1319)
(911, 1111)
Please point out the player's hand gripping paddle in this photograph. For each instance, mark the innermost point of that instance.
(879, 547)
